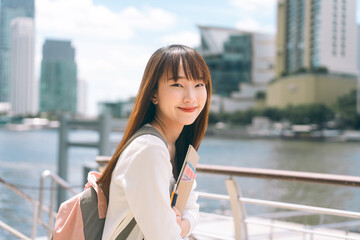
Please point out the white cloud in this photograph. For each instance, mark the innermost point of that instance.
(68, 18)
(256, 15)
(254, 5)
(149, 19)
(106, 57)
(80, 18)
(250, 24)
(191, 39)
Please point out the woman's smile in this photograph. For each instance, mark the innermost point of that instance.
(188, 109)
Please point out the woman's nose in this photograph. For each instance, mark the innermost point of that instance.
(189, 95)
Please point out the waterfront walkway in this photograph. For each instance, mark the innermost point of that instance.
(213, 227)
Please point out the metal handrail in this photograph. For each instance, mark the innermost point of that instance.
(55, 179)
(38, 205)
(298, 207)
(13, 231)
(25, 196)
(343, 180)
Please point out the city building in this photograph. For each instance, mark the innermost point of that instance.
(316, 52)
(318, 33)
(241, 64)
(23, 90)
(58, 81)
(119, 109)
(309, 89)
(10, 9)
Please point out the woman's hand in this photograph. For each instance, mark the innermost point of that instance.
(183, 223)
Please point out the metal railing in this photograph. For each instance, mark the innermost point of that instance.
(234, 196)
(237, 201)
(38, 205)
(104, 125)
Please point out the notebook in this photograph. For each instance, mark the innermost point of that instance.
(186, 178)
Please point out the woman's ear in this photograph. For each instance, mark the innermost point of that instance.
(154, 99)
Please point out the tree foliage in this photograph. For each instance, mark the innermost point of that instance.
(344, 113)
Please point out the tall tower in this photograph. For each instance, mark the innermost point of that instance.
(22, 84)
(316, 33)
(58, 83)
(10, 9)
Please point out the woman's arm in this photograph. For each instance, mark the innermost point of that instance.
(146, 186)
(182, 222)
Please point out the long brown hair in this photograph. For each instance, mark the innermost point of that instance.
(165, 60)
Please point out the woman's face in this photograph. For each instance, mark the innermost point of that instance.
(179, 102)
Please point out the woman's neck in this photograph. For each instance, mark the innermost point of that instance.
(170, 132)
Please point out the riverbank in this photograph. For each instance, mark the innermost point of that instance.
(296, 132)
(246, 132)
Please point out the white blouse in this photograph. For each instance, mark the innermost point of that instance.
(140, 187)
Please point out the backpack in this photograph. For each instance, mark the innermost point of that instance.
(83, 216)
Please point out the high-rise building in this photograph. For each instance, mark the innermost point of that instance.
(10, 9)
(241, 64)
(22, 94)
(314, 34)
(316, 52)
(58, 82)
(235, 56)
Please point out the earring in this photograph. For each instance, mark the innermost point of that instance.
(154, 100)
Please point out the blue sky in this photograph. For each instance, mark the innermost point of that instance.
(115, 38)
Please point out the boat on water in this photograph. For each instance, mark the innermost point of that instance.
(236, 224)
(28, 124)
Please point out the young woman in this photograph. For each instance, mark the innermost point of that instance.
(174, 99)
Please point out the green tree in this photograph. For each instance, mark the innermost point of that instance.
(308, 114)
(346, 111)
(275, 114)
(260, 95)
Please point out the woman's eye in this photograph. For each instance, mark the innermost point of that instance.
(176, 85)
(200, 85)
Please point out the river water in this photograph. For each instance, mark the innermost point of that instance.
(25, 155)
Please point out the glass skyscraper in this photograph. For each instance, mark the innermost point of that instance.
(58, 83)
(236, 58)
(10, 9)
(232, 66)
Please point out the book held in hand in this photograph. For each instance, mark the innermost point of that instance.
(186, 179)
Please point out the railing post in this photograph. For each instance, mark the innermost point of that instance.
(104, 130)
(237, 209)
(34, 221)
(63, 155)
(51, 208)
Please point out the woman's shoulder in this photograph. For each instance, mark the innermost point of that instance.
(148, 141)
(146, 145)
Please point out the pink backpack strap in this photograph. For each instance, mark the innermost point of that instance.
(102, 202)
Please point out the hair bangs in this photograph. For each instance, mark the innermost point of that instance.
(194, 66)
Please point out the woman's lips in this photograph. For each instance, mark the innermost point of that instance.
(188, 109)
